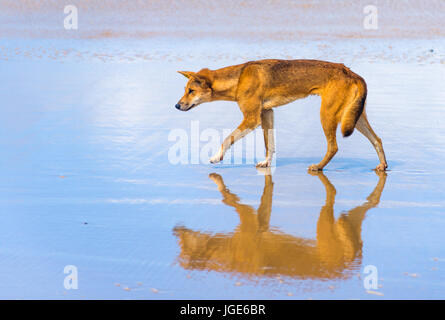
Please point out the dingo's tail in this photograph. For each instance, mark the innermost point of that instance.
(355, 108)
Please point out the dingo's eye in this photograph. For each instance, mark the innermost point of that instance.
(190, 91)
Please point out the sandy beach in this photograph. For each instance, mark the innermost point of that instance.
(86, 178)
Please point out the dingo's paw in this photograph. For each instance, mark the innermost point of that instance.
(265, 171)
(381, 167)
(314, 167)
(263, 164)
(216, 158)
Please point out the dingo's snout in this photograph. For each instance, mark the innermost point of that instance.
(184, 107)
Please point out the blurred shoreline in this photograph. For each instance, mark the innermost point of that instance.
(278, 20)
(224, 32)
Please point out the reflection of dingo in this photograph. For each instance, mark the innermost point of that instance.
(259, 86)
(253, 249)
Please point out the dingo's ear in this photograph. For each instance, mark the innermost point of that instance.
(200, 78)
(187, 74)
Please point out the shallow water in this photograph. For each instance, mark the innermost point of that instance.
(86, 181)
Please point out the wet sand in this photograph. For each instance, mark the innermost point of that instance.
(86, 180)
(246, 19)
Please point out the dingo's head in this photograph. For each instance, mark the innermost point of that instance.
(198, 90)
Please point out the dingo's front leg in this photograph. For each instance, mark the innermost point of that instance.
(269, 139)
(243, 129)
(217, 157)
(265, 163)
(250, 104)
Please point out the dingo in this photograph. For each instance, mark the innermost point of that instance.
(259, 86)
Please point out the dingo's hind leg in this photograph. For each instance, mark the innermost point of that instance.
(329, 124)
(365, 128)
